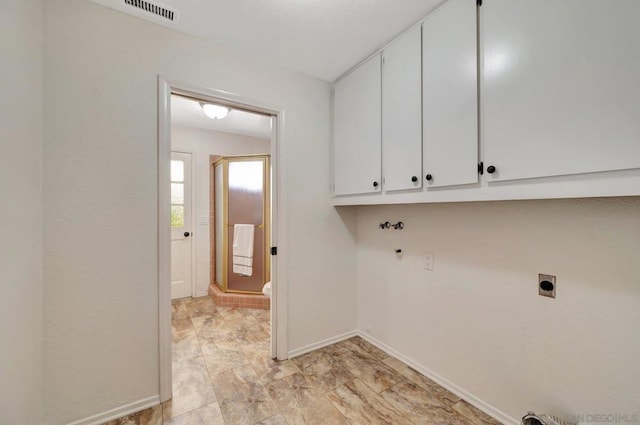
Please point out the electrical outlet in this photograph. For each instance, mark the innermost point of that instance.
(428, 261)
(547, 285)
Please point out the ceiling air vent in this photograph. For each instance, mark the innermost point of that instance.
(159, 11)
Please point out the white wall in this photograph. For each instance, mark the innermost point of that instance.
(21, 212)
(477, 320)
(100, 219)
(101, 326)
(201, 144)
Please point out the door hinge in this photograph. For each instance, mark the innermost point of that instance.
(479, 2)
(274, 250)
(481, 168)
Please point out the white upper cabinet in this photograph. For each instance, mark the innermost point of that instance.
(560, 87)
(402, 112)
(450, 95)
(552, 110)
(357, 130)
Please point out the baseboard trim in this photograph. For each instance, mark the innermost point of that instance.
(119, 412)
(308, 348)
(465, 395)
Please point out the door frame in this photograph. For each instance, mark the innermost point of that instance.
(279, 301)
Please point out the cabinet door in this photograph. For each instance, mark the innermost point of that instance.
(561, 87)
(357, 133)
(402, 113)
(450, 95)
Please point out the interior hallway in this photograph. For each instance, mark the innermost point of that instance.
(223, 375)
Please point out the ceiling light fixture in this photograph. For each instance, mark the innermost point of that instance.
(215, 112)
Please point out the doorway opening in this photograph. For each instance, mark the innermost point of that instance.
(218, 228)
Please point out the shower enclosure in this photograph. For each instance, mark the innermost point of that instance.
(240, 195)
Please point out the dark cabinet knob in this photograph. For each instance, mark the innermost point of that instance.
(429, 177)
(375, 184)
(187, 234)
(414, 179)
(491, 169)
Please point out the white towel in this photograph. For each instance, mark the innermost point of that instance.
(243, 235)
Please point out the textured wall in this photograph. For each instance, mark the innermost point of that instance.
(100, 174)
(477, 320)
(21, 212)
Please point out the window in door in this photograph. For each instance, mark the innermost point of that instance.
(177, 193)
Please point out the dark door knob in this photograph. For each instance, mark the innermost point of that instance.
(429, 177)
(375, 184)
(491, 169)
(414, 179)
(187, 234)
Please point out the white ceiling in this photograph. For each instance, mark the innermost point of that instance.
(321, 38)
(187, 112)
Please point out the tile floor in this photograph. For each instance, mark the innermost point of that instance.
(223, 375)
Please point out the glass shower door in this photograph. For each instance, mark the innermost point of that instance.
(247, 204)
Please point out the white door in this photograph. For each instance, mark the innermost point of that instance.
(181, 228)
(402, 113)
(560, 87)
(450, 88)
(357, 132)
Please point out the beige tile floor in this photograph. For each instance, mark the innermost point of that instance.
(223, 375)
